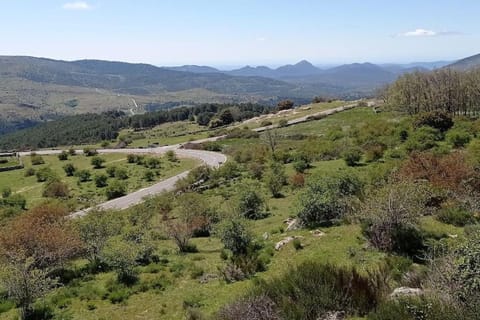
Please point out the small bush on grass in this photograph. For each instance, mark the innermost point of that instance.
(455, 216)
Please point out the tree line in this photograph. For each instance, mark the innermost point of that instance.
(448, 90)
(93, 128)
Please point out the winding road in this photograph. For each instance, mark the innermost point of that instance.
(213, 159)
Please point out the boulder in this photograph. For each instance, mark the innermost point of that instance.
(406, 292)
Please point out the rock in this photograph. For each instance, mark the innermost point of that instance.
(405, 292)
(292, 224)
(317, 233)
(453, 236)
(333, 315)
(265, 236)
(207, 277)
(285, 241)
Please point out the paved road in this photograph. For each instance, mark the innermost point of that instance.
(213, 159)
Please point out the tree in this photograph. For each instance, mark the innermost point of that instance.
(63, 156)
(226, 117)
(171, 156)
(83, 175)
(97, 162)
(193, 216)
(122, 256)
(55, 188)
(270, 138)
(69, 169)
(250, 203)
(327, 198)
(25, 284)
(275, 178)
(116, 189)
(31, 246)
(391, 218)
(121, 173)
(100, 180)
(235, 236)
(352, 156)
(94, 230)
(285, 105)
(45, 174)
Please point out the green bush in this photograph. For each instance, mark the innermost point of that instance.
(297, 244)
(29, 172)
(6, 192)
(89, 152)
(422, 139)
(100, 180)
(69, 169)
(121, 174)
(458, 137)
(36, 159)
(116, 189)
(312, 289)
(352, 156)
(97, 162)
(301, 165)
(63, 156)
(83, 175)
(44, 174)
(455, 216)
(251, 204)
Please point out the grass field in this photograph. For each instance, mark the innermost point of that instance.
(86, 194)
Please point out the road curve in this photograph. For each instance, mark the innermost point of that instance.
(212, 159)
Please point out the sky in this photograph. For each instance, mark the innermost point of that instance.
(234, 33)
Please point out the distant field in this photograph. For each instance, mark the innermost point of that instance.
(86, 194)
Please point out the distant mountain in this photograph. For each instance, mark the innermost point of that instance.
(302, 68)
(35, 90)
(248, 71)
(466, 63)
(194, 69)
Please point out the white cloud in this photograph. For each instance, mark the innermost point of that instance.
(261, 39)
(427, 33)
(77, 5)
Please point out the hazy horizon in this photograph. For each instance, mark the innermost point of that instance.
(232, 34)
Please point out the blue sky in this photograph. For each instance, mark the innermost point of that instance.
(233, 33)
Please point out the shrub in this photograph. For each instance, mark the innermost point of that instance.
(352, 156)
(72, 152)
(458, 137)
(455, 216)
(312, 289)
(111, 171)
(250, 203)
(6, 192)
(436, 119)
(69, 169)
(422, 139)
(374, 152)
(100, 180)
(390, 218)
(63, 156)
(285, 105)
(97, 162)
(89, 152)
(326, 199)
(116, 189)
(297, 180)
(297, 244)
(56, 189)
(29, 172)
(275, 178)
(121, 174)
(301, 165)
(235, 236)
(253, 308)
(149, 175)
(171, 156)
(131, 158)
(266, 123)
(44, 174)
(36, 159)
(282, 123)
(83, 175)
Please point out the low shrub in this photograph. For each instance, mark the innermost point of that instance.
(455, 216)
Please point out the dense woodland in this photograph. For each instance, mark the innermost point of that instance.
(94, 128)
(449, 90)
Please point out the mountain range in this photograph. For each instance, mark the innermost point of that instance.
(35, 90)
